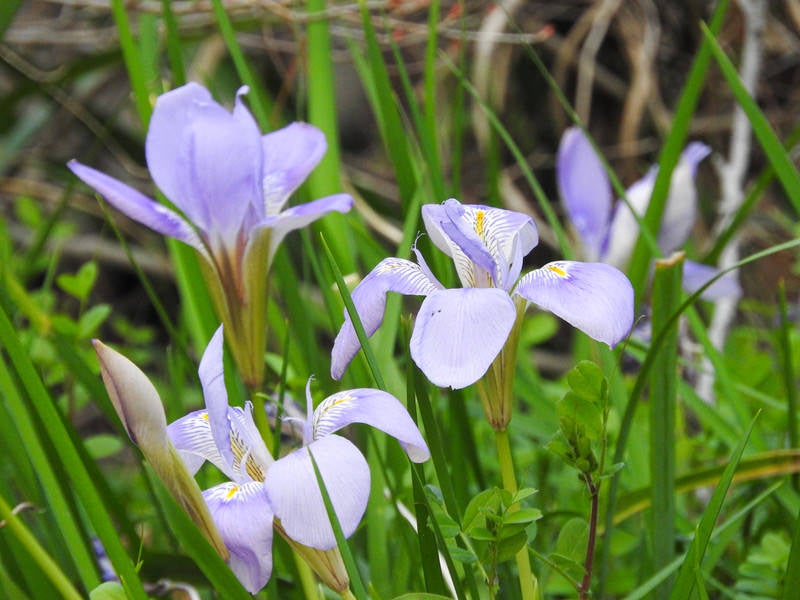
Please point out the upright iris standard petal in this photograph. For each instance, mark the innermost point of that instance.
(139, 207)
(165, 145)
(492, 239)
(593, 297)
(624, 229)
(290, 154)
(206, 159)
(374, 408)
(369, 297)
(244, 519)
(212, 379)
(585, 190)
(459, 332)
(296, 498)
(680, 211)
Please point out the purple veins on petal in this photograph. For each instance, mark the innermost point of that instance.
(296, 498)
(243, 515)
(593, 297)
(375, 408)
(369, 297)
(191, 436)
(459, 332)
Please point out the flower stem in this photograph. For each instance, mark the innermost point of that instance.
(306, 575)
(261, 420)
(347, 595)
(584, 590)
(529, 585)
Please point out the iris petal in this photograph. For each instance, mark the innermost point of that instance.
(459, 332)
(680, 212)
(474, 235)
(296, 498)
(212, 379)
(593, 297)
(139, 207)
(301, 215)
(290, 154)
(165, 144)
(375, 408)
(191, 436)
(585, 189)
(244, 517)
(696, 275)
(369, 297)
(205, 159)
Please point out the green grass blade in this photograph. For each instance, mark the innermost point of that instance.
(687, 581)
(37, 553)
(133, 60)
(174, 49)
(544, 203)
(355, 318)
(62, 511)
(791, 582)
(773, 148)
(258, 99)
(82, 481)
(671, 150)
(387, 113)
(754, 195)
(326, 178)
(643, 590)
(663, 392)
(787, 369)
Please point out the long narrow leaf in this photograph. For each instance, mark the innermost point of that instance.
(686, 580)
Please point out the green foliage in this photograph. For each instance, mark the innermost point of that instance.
(582, 415)
(613, 419)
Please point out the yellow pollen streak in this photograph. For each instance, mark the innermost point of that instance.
(557, 270)
(231, 492)
(204, 416)
(339, 401)
(479, 222)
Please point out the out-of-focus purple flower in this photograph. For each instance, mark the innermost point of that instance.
(230, 184)
(608, 231)
(459, 332)
(262, 489)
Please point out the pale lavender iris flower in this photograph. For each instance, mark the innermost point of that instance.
(262, 489)
(231, 185)
(459, 332)
(608, 231)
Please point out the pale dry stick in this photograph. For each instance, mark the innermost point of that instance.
(732, 174)
(603, 15)
(490, 67)
(641, 45)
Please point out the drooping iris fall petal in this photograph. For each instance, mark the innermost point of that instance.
(593, 297)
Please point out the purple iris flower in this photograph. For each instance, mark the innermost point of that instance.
(459, 332)
(608, 232)
(262, 492)
(231, 184)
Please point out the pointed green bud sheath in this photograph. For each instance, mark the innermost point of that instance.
(139, 407)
